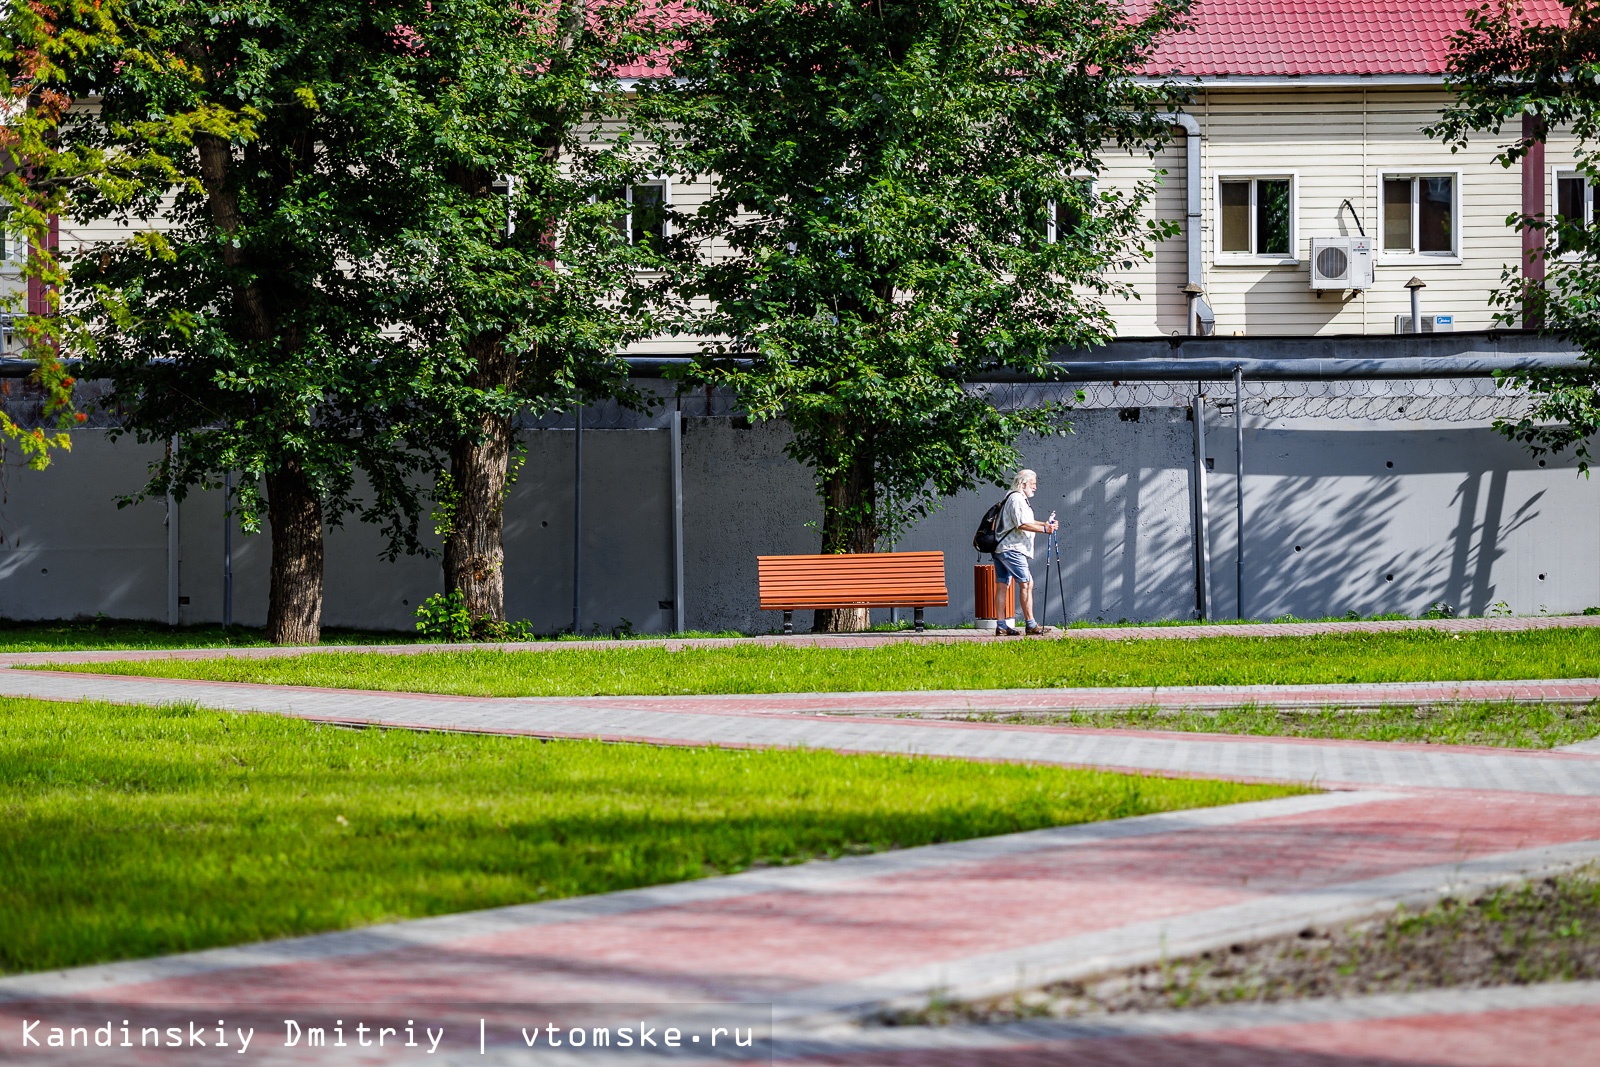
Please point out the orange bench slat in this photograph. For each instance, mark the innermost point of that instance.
(876, 579)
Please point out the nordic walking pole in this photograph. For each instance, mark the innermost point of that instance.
(1044, 609)
(1061, 588)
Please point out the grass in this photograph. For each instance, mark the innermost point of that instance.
(105, 633)
(134, 831)
(1421, 655)
(83, 635)
(1501, 724)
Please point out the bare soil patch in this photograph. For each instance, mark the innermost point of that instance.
(1542, 931)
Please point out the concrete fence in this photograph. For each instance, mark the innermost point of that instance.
(1341, 515)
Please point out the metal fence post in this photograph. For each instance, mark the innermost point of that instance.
(1202, 514)
(1238, 445)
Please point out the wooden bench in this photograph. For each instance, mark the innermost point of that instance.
(861, 580)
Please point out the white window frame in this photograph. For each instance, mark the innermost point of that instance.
(665, 185)
(1453, 257)
(11, 243)
(1559, 171)
(1052, 235)
(1254, 259)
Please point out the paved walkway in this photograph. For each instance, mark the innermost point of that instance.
(804, 720)
(800, 952)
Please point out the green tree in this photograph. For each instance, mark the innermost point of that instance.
(258, 327)
(533, 281)
(1514, 79)
(905, 197)
(40, 43)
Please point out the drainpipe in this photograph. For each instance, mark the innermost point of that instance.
(1533, 201)
(1193, 180)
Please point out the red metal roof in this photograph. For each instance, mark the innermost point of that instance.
(1275, 37)
(1322, 36)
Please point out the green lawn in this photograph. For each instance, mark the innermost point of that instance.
(118, 634)
(1412, 656)
(1501, 724)
(135, 831)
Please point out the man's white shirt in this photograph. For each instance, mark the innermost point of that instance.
(1014, 514)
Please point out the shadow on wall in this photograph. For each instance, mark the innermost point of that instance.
(1284, 295)
(1120, 486)
(1378, 521)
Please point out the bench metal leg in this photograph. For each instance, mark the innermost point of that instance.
(918, 617)
(788, 623)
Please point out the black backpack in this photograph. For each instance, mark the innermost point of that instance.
(987, 539)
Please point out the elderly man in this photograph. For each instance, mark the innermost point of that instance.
(1012, 554)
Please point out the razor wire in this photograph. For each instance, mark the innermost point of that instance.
(1480, 400)
(1452, 400)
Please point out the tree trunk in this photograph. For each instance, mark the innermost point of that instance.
(849, 524)
(474, 549)
(294, 604)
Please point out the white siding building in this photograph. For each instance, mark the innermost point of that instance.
(1311, 116)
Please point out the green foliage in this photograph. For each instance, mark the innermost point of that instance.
(540, 269)
(258, 326)
(882, 213)
(444, 617)
(1510, 71)
(41, 45)
(136, 831)
(1420, 655)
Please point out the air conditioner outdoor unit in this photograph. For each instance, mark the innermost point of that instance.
(1341, 263)
(1430, 323)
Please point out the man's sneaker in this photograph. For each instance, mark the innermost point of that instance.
(1037, 631)
(1002, 630)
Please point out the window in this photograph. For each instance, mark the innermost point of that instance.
(1419, 215)
(1054, 220)
(1255, 217)
(1575, 199)
(645, 221)
(1066, 216)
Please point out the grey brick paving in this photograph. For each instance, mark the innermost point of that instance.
(683, 721)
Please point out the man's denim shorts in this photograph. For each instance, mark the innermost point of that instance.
(1011, 565)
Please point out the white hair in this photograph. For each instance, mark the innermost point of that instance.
(1024, 476)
